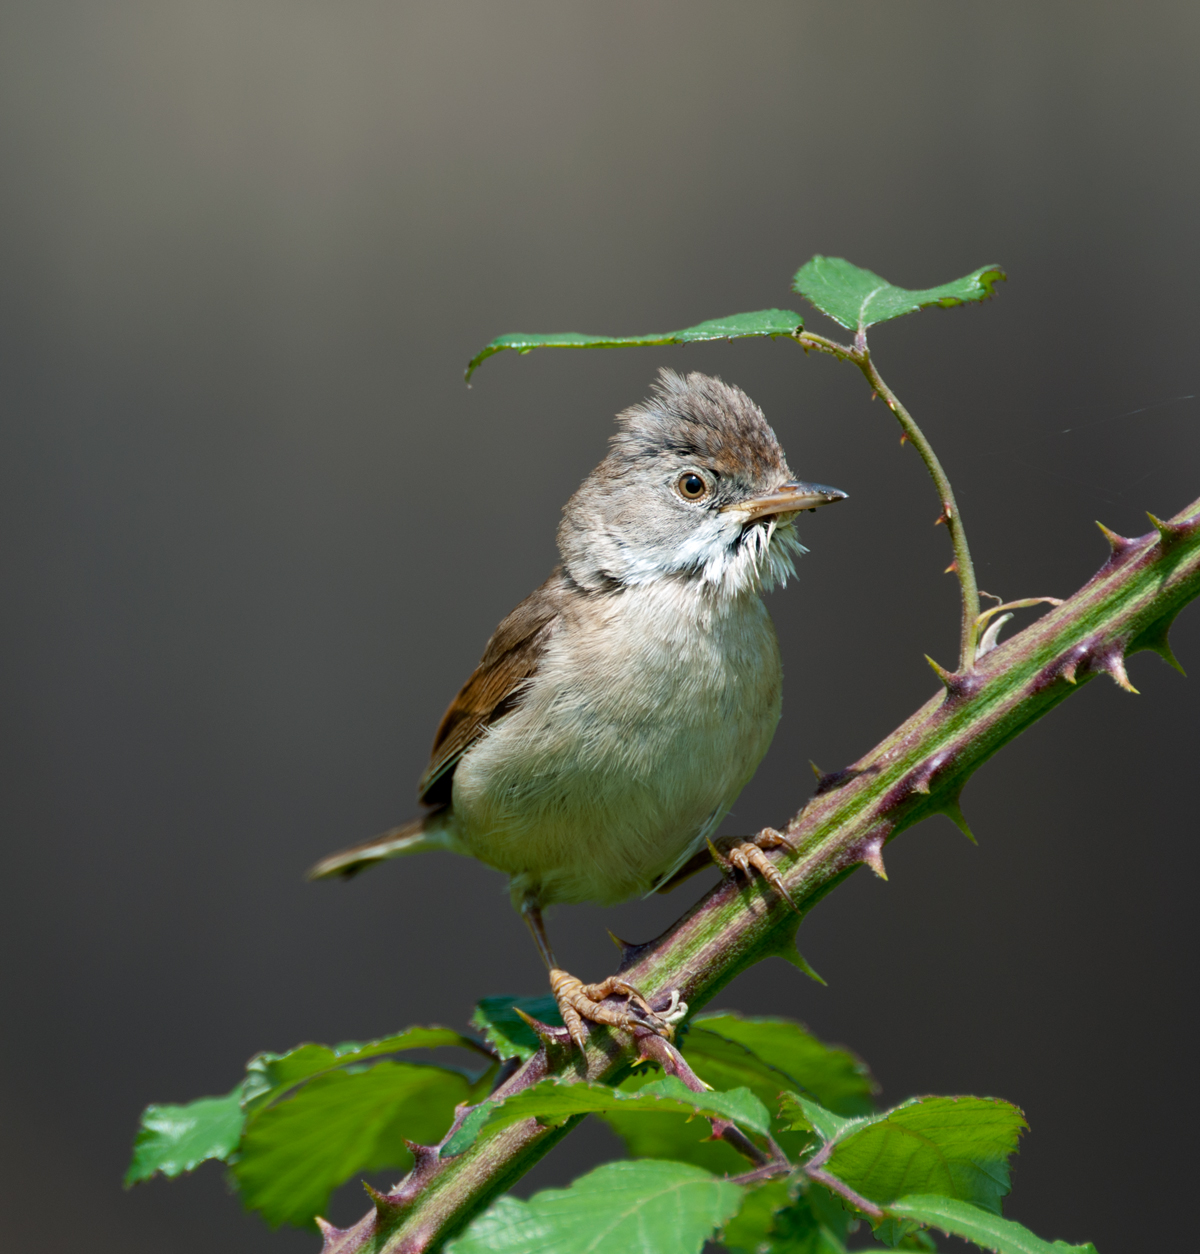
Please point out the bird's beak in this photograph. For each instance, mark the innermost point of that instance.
(788, 498)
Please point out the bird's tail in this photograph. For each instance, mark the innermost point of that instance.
(427, 832)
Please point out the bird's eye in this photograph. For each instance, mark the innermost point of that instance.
(691, 487)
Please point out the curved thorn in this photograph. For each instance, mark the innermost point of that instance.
(385, 1207)
(329, 1234)
(1114, 663)
(1157, 640)
(423, 1155)
(872, 856)
(627, 948)
(543, 1031)
(1071, 663)
(1117, 543)
(791, 955)
(942, 673)
(953, 811)
(1168, 533)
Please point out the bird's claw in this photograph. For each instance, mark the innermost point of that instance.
(736, 853)
(578, 1001)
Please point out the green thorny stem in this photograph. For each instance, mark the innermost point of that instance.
(860, 355)
(917, 771)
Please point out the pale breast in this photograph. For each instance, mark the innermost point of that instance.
(649, 712)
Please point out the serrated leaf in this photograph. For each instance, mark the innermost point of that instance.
(296, 1152)
(175, 1139)
(859, 298)
(554, 1102)
(800, 1113)
(737, 326)
(269, 1075)
(506, 1032)
(644, 1207)
(771, 1054)
(990, 1232)
(957, 1147)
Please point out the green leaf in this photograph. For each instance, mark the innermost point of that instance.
(765, 1055)
(268, 1076)
(554, 1102)
(768, 1055)
(771, 1221)
(859, 298)
(737, 326)
(644, 1207)
(800, 1113)
(507, 1033)
(746, 1232)
(957, 1147)
(676, 1137)
(990, 1232)
(175, 1139)
(296, 1152)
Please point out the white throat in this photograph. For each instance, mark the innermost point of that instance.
(725, 554)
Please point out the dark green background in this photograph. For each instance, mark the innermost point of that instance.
(257, 531)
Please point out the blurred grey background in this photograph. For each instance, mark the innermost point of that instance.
(256, 530)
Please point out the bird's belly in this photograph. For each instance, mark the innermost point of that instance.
(629, 746)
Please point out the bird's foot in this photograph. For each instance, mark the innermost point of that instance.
(736, 853)
(578, 1001)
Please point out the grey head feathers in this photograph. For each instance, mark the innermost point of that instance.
(634, 519)
(700, 417)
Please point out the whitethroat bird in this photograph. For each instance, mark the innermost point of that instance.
(620, 709)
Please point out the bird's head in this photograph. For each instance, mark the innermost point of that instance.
(695, 486)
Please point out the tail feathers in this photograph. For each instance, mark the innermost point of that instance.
(418, 836)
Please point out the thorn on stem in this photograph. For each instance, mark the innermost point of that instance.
(921, 779)
(1156, 639)
(836, 779)
(872, 855)
(1113, 661)
(953, 811)
(791, 955)
(952, 569)
(1071, 663)
(385, 1208)
(1118, 544)
(1168, 533)
(329, 1234)
(550, 1037)
(423, 1155)
(942, 673)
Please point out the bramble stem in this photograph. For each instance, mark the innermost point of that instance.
(964, 568)
(917, 771)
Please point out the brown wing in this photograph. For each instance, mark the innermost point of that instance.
(510, 659)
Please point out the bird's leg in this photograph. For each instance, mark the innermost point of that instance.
(736, 853)
(578, 1001)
